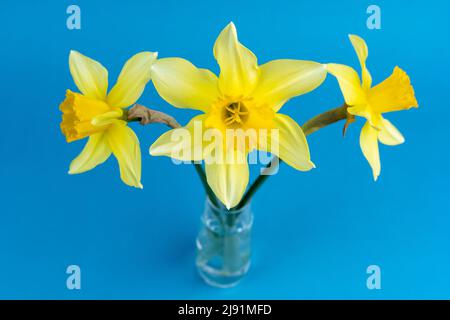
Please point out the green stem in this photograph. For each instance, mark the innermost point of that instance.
(201, 173)
(311, 126)
(325, 119)
(274, 163)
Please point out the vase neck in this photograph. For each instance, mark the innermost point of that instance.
(223, 220)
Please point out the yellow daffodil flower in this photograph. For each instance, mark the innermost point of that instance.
(244, 96)
(393, 94)
(95, 114)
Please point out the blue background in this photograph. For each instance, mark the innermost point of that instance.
(315, 233)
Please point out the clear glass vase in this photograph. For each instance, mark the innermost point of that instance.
(223, 245)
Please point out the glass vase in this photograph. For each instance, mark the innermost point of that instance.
(223, 244)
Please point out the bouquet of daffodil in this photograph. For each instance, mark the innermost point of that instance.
(240, 113)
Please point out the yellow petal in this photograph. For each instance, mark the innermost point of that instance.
(362, 52)
(107, 118)
(184, 143)
(229, 179)
(389, 134)
(89, 75)
(368, 141)
(95, 152)
(281, 80)
(183, 85)
(125, 147)
(132, 80)
(365, 111)
(349, 83)
(288, 143)
(393, 94)
(238, 65)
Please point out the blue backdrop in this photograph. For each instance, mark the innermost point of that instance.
(315, 233)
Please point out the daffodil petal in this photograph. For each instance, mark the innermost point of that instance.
(349, 83)
(288, 143)
(95, 152)
(228, 179)
(389, 134)
(125, 147)
(108, 118)
(89, 75)
(281, 80)
(375, 118)
(183, 85)
(132, 80)
(368, 141)
(185, 143)
(238, 65)
(362, 52)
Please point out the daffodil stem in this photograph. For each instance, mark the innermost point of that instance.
(311, 126)
(257, 183)
(201, 173)
(325, 119)
(148, 116)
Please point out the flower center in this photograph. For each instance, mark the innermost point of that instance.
(235, 114)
